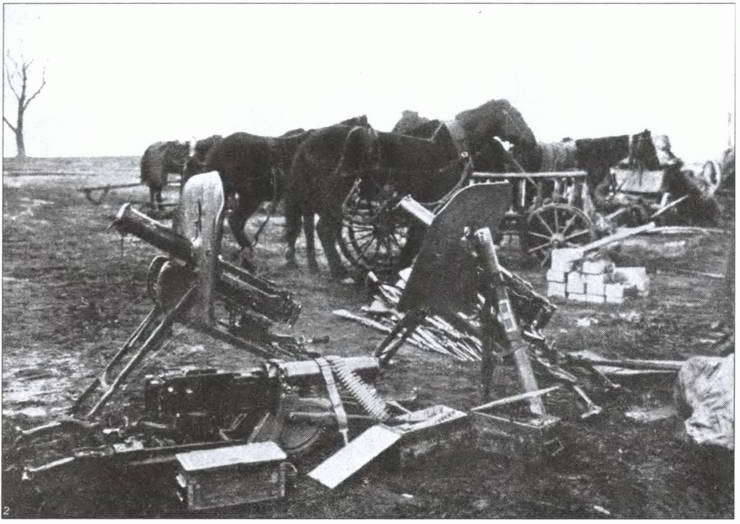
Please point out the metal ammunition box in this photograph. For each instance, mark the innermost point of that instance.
(231, 476)
(531, 439)
(435, 430)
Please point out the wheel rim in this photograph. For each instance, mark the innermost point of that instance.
(555, 226)
(297, 437)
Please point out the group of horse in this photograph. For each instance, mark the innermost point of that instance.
(314, 170)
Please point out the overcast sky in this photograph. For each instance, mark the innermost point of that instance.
(123, 76)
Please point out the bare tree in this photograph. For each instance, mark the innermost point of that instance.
(17, 76)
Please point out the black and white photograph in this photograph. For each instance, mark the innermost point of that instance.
(368, 260)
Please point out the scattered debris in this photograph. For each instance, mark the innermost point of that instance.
(411, 435)
(621, 234)
(608, 365)
(646, 415)
(697, 273)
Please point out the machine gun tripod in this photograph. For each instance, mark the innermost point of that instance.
(201, 409)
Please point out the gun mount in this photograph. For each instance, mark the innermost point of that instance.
(203, 409)
(509, 314)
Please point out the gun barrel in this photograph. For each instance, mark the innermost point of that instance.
(130, 221)
(233, 283)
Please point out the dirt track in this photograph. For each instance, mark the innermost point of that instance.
(72, 292)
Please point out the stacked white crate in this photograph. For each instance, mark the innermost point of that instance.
(594, 280)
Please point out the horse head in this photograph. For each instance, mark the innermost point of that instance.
(197, 155)
(498, 118)
(356, 121)
(410, 123)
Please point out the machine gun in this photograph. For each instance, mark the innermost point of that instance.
(197, 410)
(188, 284)
(203, 409)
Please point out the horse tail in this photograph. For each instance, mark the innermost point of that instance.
(142, 167)
(151, 165)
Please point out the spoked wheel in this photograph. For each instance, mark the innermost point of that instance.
(555, 226)
(372, 236)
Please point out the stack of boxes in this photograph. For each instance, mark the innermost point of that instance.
(594, 280)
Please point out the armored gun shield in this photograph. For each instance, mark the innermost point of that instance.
(443, 277)
(200, 219)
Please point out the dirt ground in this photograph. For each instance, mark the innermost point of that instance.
(73, 292)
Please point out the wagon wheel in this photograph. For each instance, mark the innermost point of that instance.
(555, 226)
(297, 437)
(372, 235)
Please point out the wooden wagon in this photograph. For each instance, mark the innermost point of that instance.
(550, 210)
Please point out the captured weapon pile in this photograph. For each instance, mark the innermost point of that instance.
(231, 433)
(434, 333)
(228, 433)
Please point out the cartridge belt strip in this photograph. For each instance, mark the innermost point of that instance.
(334, 397)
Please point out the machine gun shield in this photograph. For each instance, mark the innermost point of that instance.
(440, 277)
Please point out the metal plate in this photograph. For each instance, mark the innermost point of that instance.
(200, 219)
(443, 276)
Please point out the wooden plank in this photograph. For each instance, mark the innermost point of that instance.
(620, 235)
(481, 175)
(516, 398)
(354, 456)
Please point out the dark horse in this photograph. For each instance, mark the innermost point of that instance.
(196, 162)
(597, 155)
(329, 162)
(254, 169)
(497, 118)
(159, 160)
(474, 130)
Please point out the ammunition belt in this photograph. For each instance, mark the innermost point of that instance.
(365, 395)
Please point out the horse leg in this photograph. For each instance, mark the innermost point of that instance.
(327, 229)
(153, 197)
(238, 219)
(308, 232)
(293, 213)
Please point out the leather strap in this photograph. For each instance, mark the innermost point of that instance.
(334, 398)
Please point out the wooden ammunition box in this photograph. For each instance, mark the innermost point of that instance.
(231, 476)
(531, 440)
(434, 430)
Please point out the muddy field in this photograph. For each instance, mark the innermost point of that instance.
(73, 292)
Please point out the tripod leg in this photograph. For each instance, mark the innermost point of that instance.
(405, 327)
(153, 341)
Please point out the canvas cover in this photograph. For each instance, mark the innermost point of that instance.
(636, 181)
(200, 221)
(705, 393)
